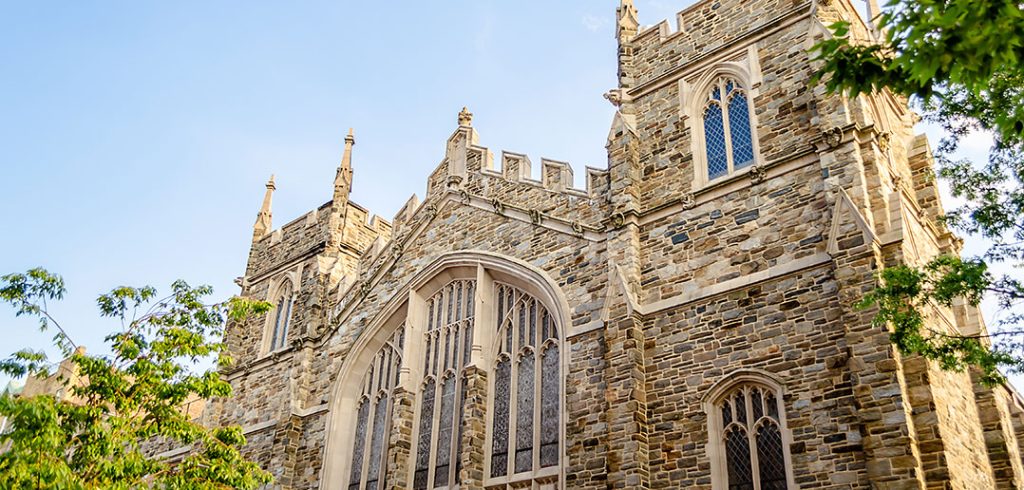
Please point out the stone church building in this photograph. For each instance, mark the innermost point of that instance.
(687, 320)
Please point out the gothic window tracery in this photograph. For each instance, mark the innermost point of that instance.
(748, 436)
(447, 342)
(373, 417)
(526, 414)
(282, 316)
(727, 129)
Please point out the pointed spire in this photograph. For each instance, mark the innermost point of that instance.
(465, 117)
(343, 179)
(263, 219)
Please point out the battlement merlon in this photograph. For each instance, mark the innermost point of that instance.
(467, 165)
(643, 50)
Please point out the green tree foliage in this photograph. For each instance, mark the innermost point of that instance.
(125, 405)
(961, 63)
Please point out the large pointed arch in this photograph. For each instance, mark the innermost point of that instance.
(406, 307)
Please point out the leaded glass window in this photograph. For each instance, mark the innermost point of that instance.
(526, 415)
(373, 417)
(447, 340)
(728, 132)
(753, 454)
(282, 315)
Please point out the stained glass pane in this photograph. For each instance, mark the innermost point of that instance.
(423, 444)
(358, 445)
(284, 324)
(277, 324)
(444, 432)
(545, 326)
(714, 140)
(549, 407)
(740, 404)
(508, 337)
(728, 87)
(448, 294)
(377, 443)
(430, 316)
(467, 344)
(715, 94)
(501, 304)
(739, 127)
(522, 326)
(458, 303)
(470, 299)
(755, 402)
(771, 466)
(437, 350)
(726, 413)
(524, 415)
(502, 390)
(426, 359)
(533, 323)
(773, 406)
(737, 455)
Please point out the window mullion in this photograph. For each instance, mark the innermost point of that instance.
(727, 132)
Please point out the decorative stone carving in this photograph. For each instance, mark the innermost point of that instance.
(688, 201)
(464, 195)
(454, 181)
(616, 96)
(536, 217)
(577, 228)
(758, 173)
(364, 289)
(618, 219)
(397, 249)
(499, 207)
(884, 139)
(832, 137)
(431, 211)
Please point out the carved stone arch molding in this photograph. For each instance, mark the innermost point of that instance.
(407, 309)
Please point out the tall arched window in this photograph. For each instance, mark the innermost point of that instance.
(747, 438)
(526, 412)
(728, 138)
(282, 315)
(458, 322)
(447, 341)
(373, 417)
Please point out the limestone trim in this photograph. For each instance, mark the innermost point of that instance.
(744, 381)
(774, 272)
(406, 306)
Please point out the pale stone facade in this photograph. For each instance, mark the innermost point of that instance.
(692, 319)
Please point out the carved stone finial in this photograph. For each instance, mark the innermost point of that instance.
(263, 218)
(465, 117)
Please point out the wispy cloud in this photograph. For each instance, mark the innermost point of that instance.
(594, 23)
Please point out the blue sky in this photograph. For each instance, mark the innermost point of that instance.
(136, 137)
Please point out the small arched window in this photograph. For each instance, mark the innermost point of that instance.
(282, 316)
(526, 416)
(373, 417)
(747, 438)
(447, 343)
(728, 137)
